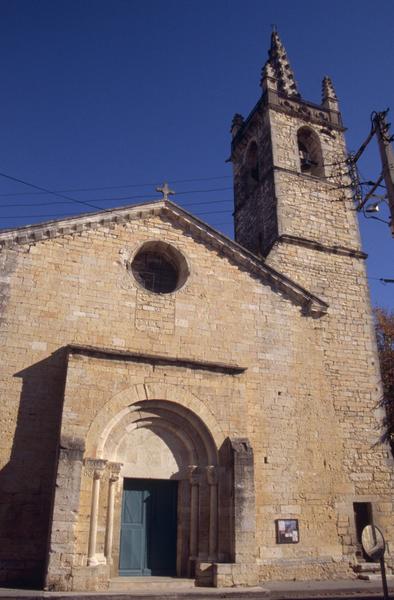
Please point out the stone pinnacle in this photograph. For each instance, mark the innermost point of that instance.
(277, 58)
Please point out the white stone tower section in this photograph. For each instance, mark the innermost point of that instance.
(293, 207)
(290, 170)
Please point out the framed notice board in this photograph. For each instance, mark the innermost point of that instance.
(287, 531)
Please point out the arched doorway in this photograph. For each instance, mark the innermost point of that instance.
(136, 439)
(162, 515)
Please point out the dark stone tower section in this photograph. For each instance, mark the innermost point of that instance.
(253, 182)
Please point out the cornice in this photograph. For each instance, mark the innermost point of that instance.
(307, 111)
(308, 243)
(295, 107)
(140, 357)
(310, 303)
(30, 234)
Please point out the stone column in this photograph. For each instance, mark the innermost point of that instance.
(97, 467)
(65, 514)
(244, 502)
(194, 479)
(113, 478)
(213, 512)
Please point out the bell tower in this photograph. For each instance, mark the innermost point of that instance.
(293, 208)
(290, 174)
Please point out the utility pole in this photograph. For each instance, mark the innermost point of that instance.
(387, 157)
(381, 129)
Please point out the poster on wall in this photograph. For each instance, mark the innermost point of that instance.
(287, 531)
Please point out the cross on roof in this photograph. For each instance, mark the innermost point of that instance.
(165, 190)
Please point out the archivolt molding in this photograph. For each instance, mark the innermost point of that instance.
(136, 419)
(178, 399)
(183, 441)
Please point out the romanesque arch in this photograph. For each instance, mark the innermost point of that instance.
(138, 435)
(126, 402)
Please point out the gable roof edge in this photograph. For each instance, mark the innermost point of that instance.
(30, 234)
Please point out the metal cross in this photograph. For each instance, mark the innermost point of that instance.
(165, 190)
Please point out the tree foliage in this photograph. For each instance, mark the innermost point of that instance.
(384, 327)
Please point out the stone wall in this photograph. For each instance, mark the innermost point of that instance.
(314, 240)
(367, 469)
(315, 208)
(255, 211)
(319, 247)
(76, 289)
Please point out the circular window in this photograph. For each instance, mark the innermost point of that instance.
(159, 268)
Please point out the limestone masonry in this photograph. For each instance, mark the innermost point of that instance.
(176, 403)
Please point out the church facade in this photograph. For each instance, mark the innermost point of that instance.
(177, 403)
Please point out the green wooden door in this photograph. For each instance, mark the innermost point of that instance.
(148, 527)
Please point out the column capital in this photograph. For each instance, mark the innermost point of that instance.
(194, 474)
(94, 467)
(212, 474)
(114, 470)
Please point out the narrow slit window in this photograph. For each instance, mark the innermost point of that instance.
(252, 174)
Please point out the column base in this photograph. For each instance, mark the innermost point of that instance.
(91, 578)
(235, 574)
(215, 574)
(97, 559)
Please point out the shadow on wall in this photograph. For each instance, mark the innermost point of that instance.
(27, 480)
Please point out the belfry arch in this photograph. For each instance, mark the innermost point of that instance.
(310, 152)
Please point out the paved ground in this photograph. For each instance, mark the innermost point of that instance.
(297, 590)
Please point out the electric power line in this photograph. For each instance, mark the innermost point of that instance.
(69, 199)
(117, 187)
(114, 198)
(41, 189)
(49, 204)
(53, 216)
(111, 199)
(383, 280)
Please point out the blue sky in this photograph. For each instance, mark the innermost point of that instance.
(115, 94)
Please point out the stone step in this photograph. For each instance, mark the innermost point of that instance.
(362, 567)
(375, 577)
(147, 593)
(125, 584)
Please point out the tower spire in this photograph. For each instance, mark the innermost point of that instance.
(329, 97)
(282, 71)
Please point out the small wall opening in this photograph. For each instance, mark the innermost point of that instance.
(310, 153)
(252, 175)
(362, 517)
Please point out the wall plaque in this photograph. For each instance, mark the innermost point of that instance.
(287, 531)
